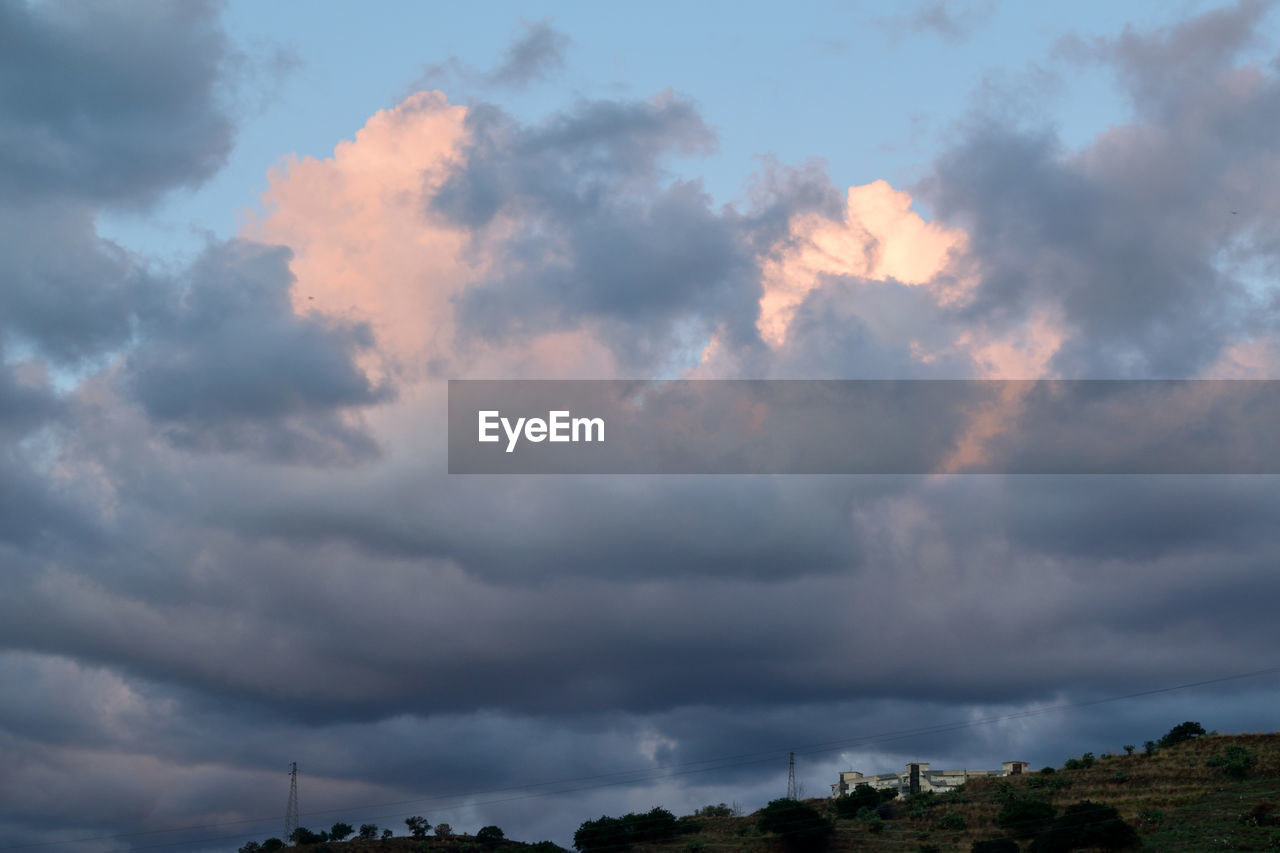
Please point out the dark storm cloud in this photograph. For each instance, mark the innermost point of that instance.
(109, 102)
(229, 358)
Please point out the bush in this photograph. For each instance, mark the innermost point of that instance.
(1129, 748)
(443, 830)
(340, 831)
(386, 833)
(1149, 747)
(1182, 733)
(1150, 817)
(1086, 825)
(800, 827)
(995, 845)
(861, 797)
(1235, 760)
(720, 810)
(952, 820)
(490, 834)
(546, 847)
(1262, 814)
(302, 835)
(1025, 816)
(619, 833)
(250, 847)
(271, 845)
(872, 821)
(368, 831)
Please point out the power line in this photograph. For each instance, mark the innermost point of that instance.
(625, 777)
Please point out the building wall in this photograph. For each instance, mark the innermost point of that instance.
(938, 781)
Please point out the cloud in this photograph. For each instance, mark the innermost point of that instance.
(110, 103)
(229, 354)
(195, 594)
(536, 55)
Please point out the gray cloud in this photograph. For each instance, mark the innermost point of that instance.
(110, 103)
(537, 54)
(185, 610)
(229, 356)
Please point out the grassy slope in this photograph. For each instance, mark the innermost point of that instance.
(1201, 809)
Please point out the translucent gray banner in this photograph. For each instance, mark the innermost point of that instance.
(864, 427)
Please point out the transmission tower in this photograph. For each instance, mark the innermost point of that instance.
(793, 793)
(291, 811)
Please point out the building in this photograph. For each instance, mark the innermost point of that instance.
(918, 777)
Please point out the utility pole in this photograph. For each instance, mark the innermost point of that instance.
(291, 811)
(792, 792)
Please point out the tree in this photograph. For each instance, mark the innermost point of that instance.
(800, 827)
(1182, 733)
(862, 797)
(340, 831)
(490, 834)
(1129, 748)
(251, 847)
(1024, 816)
(368, 831)
(302, 835)
(386, 833)
(443, 830)
(1086, 825)
(271, 845)
(605, 833)
(418, 826)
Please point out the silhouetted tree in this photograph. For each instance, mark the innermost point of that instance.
(368, 831)
(800, 827)
(418, 826)
(490, 834)
(339, 831)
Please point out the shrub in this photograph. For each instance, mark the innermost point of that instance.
(1025, 816)
(340, 831)
(1129, 748)
(863, 796)
(619, 833)
(1047, 771)
(720, 810)
(545, 847)
(1262, 814)
(386, 833)
(800, 827)
(302, 835)
(1086, 825)
(872, 821)
(490, 834)
(250, 847)
(952, 820)
(368, 831)
(1181, 733)
(272, 844)
(1150, 817)
(1149, 747)
(1235, 760)
(443, 830)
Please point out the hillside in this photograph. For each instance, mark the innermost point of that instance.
(1179, 799)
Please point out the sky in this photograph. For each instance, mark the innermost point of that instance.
(244, 246)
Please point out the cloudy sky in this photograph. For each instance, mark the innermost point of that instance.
(245, 245)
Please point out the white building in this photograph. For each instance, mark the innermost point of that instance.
(919, 777)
